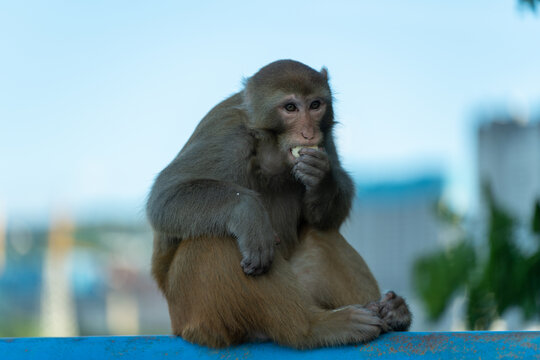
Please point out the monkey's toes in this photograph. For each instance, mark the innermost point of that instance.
(389, 296)
(367, 323)
(365, 315)
(395, 312)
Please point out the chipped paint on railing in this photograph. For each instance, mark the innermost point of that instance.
(407, 345)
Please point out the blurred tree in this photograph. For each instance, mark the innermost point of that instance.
(536, 218)
(503, 278)
(439, 276)
(531, 4)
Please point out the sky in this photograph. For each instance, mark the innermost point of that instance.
(97, 97)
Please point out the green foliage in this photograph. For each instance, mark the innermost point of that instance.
(438, 276)
(504, 278)
(481, 306)
(502, 268)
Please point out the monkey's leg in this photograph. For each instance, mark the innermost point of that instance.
(332, 271)
(212, 302)
(335, 275)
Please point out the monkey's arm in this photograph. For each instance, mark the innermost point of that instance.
(329, 189)
(204, 207)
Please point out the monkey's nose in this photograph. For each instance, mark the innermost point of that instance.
(308, 135)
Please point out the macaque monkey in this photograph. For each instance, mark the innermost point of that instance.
(246, 220)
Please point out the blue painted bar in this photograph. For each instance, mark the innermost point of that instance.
(408, 345)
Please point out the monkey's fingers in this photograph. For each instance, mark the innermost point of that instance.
(254, 268)
(317, 160)
(318, 153)
(257, 262)
(309, 170)
(308, 180)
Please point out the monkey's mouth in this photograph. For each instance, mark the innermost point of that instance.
(296, 149)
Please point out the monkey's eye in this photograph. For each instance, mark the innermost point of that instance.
(315, 105)
(290, 107)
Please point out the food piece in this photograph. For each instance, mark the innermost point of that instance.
(296, 149)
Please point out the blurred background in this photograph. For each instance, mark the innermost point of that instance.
(439, 111)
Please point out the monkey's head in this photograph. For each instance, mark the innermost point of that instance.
(291, 101)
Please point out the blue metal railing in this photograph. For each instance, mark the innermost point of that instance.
(407, 345)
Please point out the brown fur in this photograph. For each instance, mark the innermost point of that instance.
(212, 302)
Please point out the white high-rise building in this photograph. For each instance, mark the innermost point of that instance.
(509, 162)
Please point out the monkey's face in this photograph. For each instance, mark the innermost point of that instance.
(301, 117)
(292, 102)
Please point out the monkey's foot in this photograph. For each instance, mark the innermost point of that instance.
(394, 312)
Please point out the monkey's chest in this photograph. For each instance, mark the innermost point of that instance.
(285, 210)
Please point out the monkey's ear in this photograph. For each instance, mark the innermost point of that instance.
(324, 72)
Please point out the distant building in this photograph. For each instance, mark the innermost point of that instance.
(509, 162)
(392, 224)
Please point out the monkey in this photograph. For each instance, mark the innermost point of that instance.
(246, 224)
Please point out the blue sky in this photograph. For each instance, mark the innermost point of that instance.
(97, 97)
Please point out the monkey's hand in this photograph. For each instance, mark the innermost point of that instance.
(393, 310)
(250, 224)
(329, 190)
(311, 167)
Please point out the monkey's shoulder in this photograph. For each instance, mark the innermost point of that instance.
(220, 147)
(222, 119)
